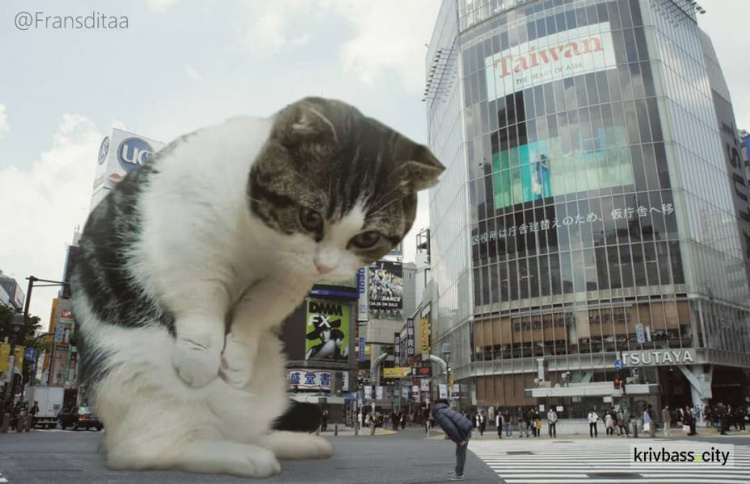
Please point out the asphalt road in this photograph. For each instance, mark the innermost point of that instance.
(406, 457)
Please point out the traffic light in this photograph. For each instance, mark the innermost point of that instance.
(617, 383)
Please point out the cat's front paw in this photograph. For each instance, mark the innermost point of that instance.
(236, 368)
(197, 359)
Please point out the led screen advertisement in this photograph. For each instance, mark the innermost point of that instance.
(560, 165)
(327, 335)
(386, 288)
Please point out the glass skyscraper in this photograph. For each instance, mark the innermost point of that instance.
(594, 212)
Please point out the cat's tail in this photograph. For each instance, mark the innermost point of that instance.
(300, 417)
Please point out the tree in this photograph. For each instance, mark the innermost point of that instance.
(26, 335)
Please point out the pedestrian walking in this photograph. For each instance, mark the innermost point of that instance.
(510, 422)
(482, 422)
(552, 423)
(620, 416)
(34, 410)
(525, 425)
(324, 421)
(648, 421)
(689, 420)
(666, 417)
(609, 423)
(593, 419)
(458, 429)
(499, 421)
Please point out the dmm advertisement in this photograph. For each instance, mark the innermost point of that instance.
(327, 330)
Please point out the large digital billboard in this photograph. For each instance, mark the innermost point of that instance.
(327, 330)
(561, 165)
(386, 286)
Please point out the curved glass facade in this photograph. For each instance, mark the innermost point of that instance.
(587, 196)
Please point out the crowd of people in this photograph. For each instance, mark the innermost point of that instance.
(19, 410)
(387, 420)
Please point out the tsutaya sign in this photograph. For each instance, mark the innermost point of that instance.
(559, 56)
(659, 357)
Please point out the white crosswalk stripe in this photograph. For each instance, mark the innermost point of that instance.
(532, 461)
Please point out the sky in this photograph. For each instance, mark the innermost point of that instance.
(184, 64)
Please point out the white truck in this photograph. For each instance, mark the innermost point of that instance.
(50, 401)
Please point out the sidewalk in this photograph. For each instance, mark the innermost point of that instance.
(491, 434)
(344, 431)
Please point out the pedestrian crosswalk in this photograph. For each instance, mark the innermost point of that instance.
(593, 461)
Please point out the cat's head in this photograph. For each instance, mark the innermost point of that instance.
(341, 185)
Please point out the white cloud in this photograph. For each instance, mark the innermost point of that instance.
(390, 35)
(4, 128)
(727, 36)
(192, 73)
(161, 5)
(47, 203)
(271, 26)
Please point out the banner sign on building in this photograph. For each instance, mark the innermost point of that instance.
(424, 338)
(425, 384)
(368, 392)
(362, 303)
(327, 330)
(405, 392)
(386, 288)
(397, 349)
(5, 357)
(361, 348)
(410, 337)
(60, 364)
(558, 56)
(443, 390)
(398, 372)
(119, 153)
(310, 379)
(378, 393)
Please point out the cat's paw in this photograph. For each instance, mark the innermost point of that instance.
(197, 359)
(297, 446)
(236, 368)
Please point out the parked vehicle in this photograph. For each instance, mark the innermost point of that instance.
(79, 418)
(50, 400)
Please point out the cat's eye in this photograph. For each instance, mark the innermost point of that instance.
(366, 240)
(310, 219)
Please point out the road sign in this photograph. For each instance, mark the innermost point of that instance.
(30, 354)
(639, 333)
(619, 365)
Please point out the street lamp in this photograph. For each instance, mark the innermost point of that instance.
(18, 324)
(445, 351)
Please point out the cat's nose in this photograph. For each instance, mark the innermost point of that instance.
(323, 268)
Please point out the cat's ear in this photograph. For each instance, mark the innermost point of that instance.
(419, 169)
(304, 122)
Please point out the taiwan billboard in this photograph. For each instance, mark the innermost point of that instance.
(386, 289)
(558, 56)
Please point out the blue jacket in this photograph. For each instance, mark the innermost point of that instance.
(456, 426)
